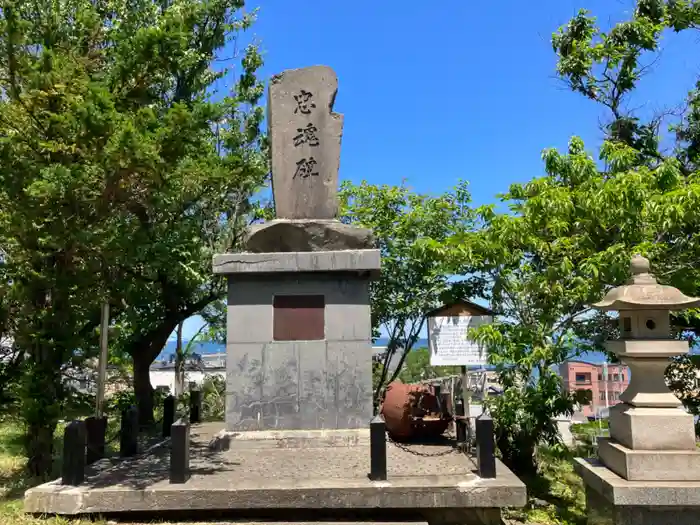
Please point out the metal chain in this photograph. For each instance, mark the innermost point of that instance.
(406, 448)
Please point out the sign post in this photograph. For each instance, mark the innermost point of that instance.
(449, 344)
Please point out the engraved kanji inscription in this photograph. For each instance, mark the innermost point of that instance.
(304, 102)
(306, 168)
(306, 135)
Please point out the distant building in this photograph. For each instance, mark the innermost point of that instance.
(605, 386)
(197, 369)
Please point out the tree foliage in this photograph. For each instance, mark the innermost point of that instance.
(607, 67)
(417, 367)
(120, 176)
(415, 277)
(545, 263)
(207, 159)
(569, 235)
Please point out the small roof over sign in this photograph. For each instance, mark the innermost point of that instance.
(458, 308)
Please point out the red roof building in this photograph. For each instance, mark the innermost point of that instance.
(605, 385)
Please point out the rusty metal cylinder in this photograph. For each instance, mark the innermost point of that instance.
(413, 412)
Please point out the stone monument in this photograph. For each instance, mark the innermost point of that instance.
(648, 471)
(297, 442)
(299, 354)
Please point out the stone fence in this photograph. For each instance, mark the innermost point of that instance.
(85, 441)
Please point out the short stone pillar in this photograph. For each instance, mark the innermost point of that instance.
(169, 404)
(299, 351)
(195, 405)
(377, 448)
(95, 429)
(485, 446)
(180, 452)
(73, 466)
(649, 464)
(129, 432)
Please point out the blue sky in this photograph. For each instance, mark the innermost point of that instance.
(456, 90)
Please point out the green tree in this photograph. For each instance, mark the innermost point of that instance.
(120, 176)
(52, 121)
(569, 235)
(415, 278)
(207, 158)
(606, 67)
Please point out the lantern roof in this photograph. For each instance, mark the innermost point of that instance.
(642, 292)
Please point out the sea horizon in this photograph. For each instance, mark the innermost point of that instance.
(208, 347)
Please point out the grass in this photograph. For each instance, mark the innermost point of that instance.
(557, 496)
(13, 482)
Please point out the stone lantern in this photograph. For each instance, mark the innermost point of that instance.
(651, 437)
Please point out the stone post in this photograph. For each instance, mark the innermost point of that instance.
(95, 428)
(377, 449)
(485, 446)
(180, 452)
(129, 432)
(460, 423)
(73, 467)
(195, 406)
(168, 414)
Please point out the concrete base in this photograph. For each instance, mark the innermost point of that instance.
(277, 379)
(298, 385)
(290, 438)
(612, 500)
(350, 261)
(642, 428)
(278, 475)
(649, 465)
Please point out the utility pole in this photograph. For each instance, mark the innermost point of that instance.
(102, 364)
(605, 384)
(466, 398)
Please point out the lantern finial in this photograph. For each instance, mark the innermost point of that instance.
(640, 265)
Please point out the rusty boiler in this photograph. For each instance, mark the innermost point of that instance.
(413, 412)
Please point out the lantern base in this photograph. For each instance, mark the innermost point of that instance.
(649, 465)
(611, 499)
(644, 428)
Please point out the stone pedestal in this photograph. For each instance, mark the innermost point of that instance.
(651, 444)
(299, 351)
(650, 428)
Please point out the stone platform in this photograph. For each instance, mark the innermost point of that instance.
(296, 470)
(614, 499)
